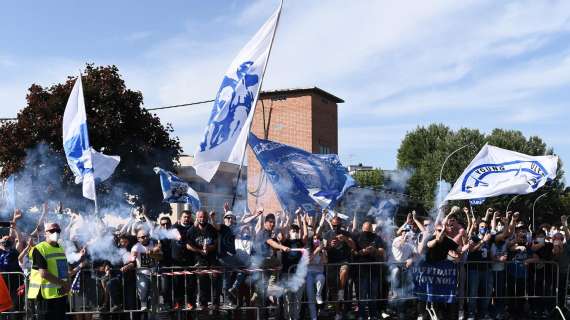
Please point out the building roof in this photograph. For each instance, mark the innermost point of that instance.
(317, 90)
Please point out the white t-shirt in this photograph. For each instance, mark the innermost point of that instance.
(404, 251)
(141, 255)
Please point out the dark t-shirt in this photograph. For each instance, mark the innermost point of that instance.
(9, 261)
(484, 253)
(291, 258)
(260, 245)
(180, 254)
(364, 240)
(341, 252)
(439, 251)
(545, 253)
(197, 238)
(166, 246)
(227, 241)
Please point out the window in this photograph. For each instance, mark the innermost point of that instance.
(324, 149)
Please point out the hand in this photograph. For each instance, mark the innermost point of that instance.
(414, 214)
(503, 258)
(17, 215)
(487, 237)
(516, 216)
(83, 251)
(466, 210)
(334, 242)
(226, 207)
(564, 220)
(298, 211)
(409, 218)
(64, 288)
(409, 263)
(213, 216)
(341, 237)
(286, 249)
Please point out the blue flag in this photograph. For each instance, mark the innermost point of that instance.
(176, 190)
(300, 178)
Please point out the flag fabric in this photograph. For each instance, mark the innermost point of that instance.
(88, 166)
(228, 127)
(176, 190)
(477, 202)
(5, 298)
(76, 284)
(495, 171)
(8, 193)
(300, 178)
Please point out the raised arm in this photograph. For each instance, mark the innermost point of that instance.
(417, 222)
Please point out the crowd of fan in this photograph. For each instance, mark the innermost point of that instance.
(497, 254)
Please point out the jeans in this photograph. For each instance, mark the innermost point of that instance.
(500, 284)
(293, 299)
(231, 263)
(314, 284)
(480, 284)
(143, 288)
(368, 283)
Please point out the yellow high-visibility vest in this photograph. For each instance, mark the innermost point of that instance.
(57, 266)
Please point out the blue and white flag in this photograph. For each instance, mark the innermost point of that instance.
(176, 190)
(86, 164)
(300, 178)
(495, 171)
(225, 136)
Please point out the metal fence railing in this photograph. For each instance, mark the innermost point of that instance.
(366, 288)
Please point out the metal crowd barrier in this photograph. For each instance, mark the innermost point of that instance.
(15, 282)
(175, 291)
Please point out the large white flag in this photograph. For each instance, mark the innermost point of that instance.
(495, 171)
(226, 135)
(86, 164)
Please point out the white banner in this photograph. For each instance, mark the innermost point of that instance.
(228, 127)
(495, 171)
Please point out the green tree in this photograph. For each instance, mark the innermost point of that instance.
(369, 178)
(425, 149)
(118, 125)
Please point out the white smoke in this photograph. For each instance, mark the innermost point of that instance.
(441, 191)
(294, 282)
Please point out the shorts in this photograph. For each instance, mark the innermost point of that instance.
(333, 273)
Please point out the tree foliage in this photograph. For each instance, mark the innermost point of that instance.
(426, 148)
(369, 178)
(118, 125)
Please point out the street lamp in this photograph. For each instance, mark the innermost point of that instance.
(534, 203)
(447, 158)
(509, 204)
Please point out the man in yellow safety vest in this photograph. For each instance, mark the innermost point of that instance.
(49, 278)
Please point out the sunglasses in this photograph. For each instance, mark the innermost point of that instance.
(142, 237)
(229, 217)
(165, 224)
(54, 231)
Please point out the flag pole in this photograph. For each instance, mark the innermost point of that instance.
(255, 104)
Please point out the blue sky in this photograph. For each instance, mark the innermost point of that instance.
(400, 64)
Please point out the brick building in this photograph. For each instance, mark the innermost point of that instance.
(306, 118)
